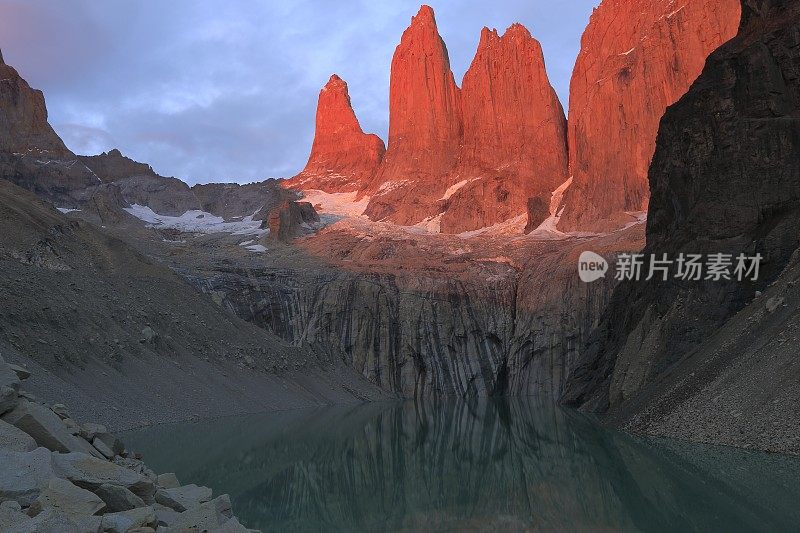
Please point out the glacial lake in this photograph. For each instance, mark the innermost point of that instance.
(511, 465)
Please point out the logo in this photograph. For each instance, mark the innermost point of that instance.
(591, 267)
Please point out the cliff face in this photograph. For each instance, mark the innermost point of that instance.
(425, 128)
(514, 146)
(725, 179)
(343, 158)
(637, 58)
(31, 153)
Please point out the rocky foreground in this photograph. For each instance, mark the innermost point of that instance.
(61, 476)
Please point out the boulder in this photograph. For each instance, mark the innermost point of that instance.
(125, 521)
(50, 521)
(14, 439)
(8, 378)
(183, 498)
(24, 474)
(61, 410)
(8, 399)
(21, 372)
(118, 498)
(63, 496)
(168, 481)
(47, 429)
(209, 516)
(164, 515)
(89, 430)
(108, 445)
(11, 516)
(72, 426)
(90, 473)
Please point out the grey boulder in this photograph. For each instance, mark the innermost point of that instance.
(183, 498)
(168, 481)
(71, 500)
(90, 473)
(21, 372)
(209, 516)
(11, 516)
(14, 439)
(47, 429)
(49, 521)
(118, 498)
(127, 520)
(24, 474)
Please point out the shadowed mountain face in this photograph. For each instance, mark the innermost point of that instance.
(725, 179)
(505, 466)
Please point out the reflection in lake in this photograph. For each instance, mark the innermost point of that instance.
(511, 465)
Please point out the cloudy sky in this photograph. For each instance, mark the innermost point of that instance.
(226, 90)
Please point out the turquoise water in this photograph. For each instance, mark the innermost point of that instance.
(517, 465)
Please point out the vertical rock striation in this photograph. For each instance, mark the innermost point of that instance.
(515, 134)
(637, 58)
(343, 157)
(425, 128)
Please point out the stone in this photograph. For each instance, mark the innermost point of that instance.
(90, 473)
(774, 303)
(63, 496)
(9, 388)
(165, 516)
(124, 521)
(47, 429)
(108, 444)
(637, 58)
(118, 498)
(61, 410)
(101, 447)
(21, 372)
(290, 220)
(72, 426)
(148, 335)
(24, 474)
(50, 521)
(8, 399)
(343, 158)
(14, 439)
(89, 430)
(515, 134)
(168, 481)
(425, 128)
(136, 465)
(208, 516)
(11, 516)
(182, 498)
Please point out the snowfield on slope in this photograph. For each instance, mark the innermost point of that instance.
(198, 222)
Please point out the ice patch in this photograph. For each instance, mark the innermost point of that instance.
(197, 222)
(257, 248)
(66, 210)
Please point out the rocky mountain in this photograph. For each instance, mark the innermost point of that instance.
(120, 337)
(515, 132)
(637, 58)
(425, 127)
(716, 359)
(31, 153)
(343, 157)
(137, 183)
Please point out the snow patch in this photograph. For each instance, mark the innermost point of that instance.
(429, 225)
(454, 188)
(257, 248)
(342, 204)
(66, 210)
(196, 221)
